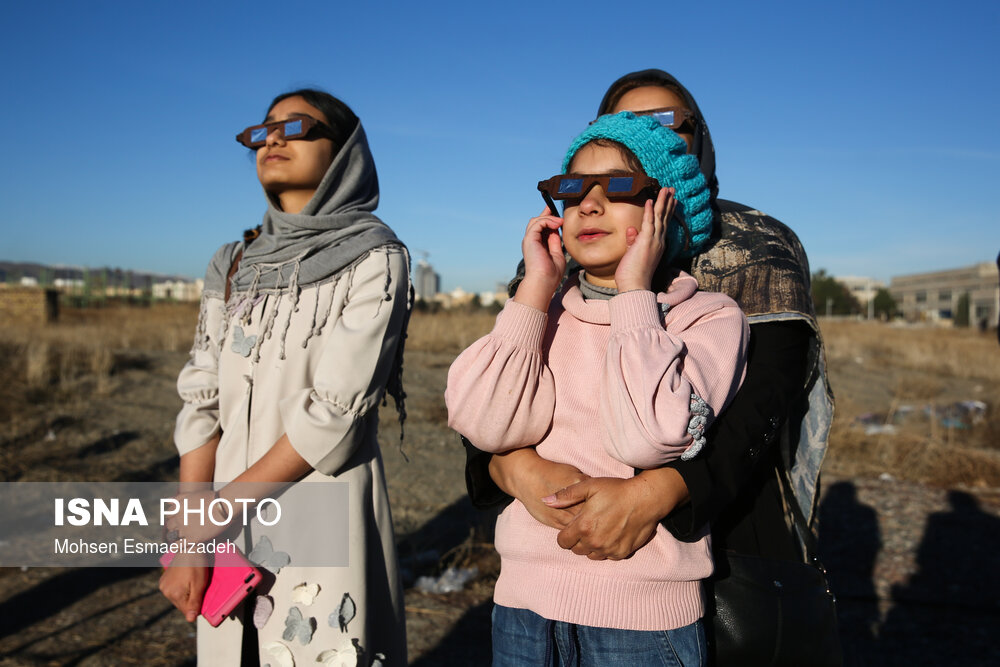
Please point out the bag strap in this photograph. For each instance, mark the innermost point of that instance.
(232, 270)
(249, 235)
(802, 528)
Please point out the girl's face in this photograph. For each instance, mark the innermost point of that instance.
(594, 226)
(646, 98)
(292, 170)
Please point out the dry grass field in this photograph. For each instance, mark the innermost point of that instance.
(908, 378)
(880, 373)
(82, 351)
(91, 397)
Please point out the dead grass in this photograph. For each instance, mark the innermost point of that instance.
(938, 352)
(41, 362)
(447, 331)
(910, 456)
(877, 369)
(874, 368)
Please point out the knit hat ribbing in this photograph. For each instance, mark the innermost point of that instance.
(663, 155)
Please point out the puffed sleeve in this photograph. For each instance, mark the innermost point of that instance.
(327, 422)
(656, 378)
(745, 435)
(198, 382)
(500, 394)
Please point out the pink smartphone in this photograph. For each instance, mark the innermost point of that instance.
(233, 578)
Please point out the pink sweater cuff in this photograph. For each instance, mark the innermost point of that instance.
(521, 326)
(634, 309)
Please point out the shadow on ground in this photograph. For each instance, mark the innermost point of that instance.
(450, 629)
(948, 612)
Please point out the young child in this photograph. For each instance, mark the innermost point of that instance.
(607, 377)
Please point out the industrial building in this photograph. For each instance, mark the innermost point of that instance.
(426, 283)
(936, 296)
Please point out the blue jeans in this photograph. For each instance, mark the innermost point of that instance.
(522, 638)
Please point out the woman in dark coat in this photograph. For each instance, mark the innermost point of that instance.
(778, 422)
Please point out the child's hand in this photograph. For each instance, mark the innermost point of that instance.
(646, 245)
(525, 475)
(544, 261)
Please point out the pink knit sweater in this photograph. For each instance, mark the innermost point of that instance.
(604, 386)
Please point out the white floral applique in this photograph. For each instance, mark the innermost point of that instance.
(700, 413)
(280, 654)
(346, 656)
(305, 593)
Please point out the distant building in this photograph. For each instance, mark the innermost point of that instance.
(455, 298)
(426, 282)
(68, 284)
(178, 290)
(496, 297)
(28, 305)
(862, 288)
(935, 296)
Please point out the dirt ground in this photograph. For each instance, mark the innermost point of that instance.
(913, 564)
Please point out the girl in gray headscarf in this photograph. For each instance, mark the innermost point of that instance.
(299, 336)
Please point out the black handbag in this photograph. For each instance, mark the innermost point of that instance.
(766, 611)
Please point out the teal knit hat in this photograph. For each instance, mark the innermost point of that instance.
(663, 156)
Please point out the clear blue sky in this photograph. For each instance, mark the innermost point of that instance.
(872, 129)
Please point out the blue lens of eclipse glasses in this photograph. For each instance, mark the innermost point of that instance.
(616, 185)
(255, 136)
(664, 118)
(289, 130)
(575, 186)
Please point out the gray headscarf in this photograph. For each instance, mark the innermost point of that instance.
(294, 250)
(334, 229)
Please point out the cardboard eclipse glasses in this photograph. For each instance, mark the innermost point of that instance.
(615, 186)
(255, 136)
(673, 117)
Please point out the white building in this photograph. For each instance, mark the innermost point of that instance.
(863, 289)
(936, 296)
(179, 290)
(495, 297)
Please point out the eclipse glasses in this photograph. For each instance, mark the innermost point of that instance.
(673, 117)
(255, 136)
(615, 186)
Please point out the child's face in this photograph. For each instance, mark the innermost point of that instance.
(594, 227)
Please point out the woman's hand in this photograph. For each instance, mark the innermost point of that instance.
(617, 517)
(544, 261)
(646, 245)
(185, 581)
(524, 474)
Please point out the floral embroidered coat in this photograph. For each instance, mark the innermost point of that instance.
(313, 364)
